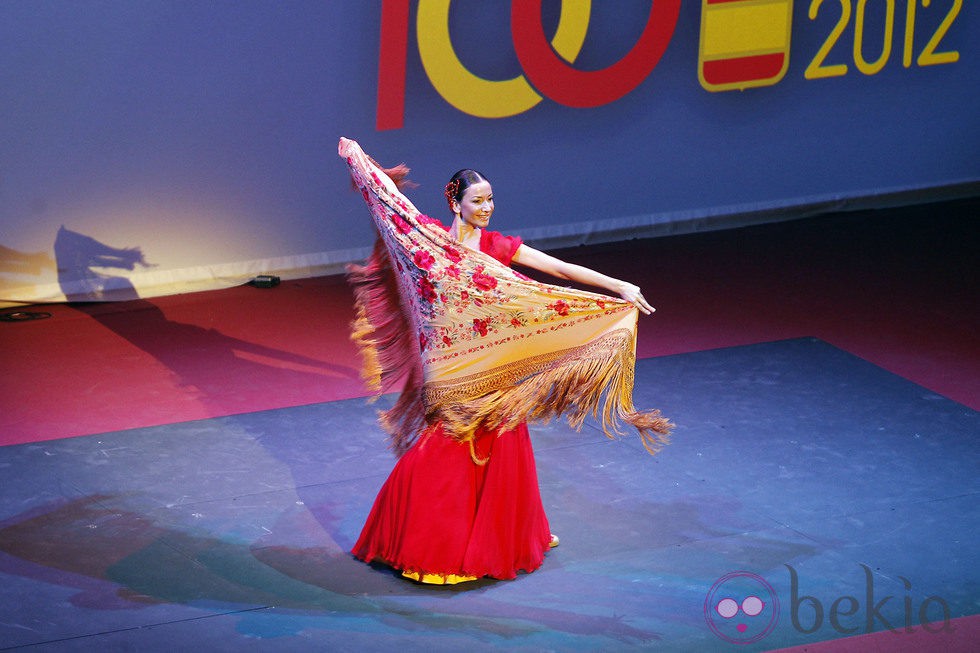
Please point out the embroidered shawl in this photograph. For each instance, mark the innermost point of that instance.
(475, 343)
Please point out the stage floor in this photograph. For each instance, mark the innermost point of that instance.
(842, 495)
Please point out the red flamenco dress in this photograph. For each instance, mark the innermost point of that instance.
(443, 517)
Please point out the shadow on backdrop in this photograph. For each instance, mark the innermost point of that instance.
(78, 255)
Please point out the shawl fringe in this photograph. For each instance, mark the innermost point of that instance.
(381, 331)
(580, 382)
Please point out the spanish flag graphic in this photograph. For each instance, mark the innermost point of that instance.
(744, 43)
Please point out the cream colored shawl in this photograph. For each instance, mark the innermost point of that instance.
(476, 343)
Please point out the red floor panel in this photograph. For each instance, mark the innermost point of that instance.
(896, 287)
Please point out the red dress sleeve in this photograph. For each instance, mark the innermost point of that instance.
(501, 247)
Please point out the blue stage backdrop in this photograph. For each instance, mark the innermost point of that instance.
(164, 146)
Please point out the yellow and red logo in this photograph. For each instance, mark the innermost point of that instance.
(744, 43)
(547, 64)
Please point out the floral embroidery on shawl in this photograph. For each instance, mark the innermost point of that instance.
(476, 342)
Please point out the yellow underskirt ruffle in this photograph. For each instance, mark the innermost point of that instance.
(437, 579)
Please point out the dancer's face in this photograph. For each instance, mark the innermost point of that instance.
(476, 207)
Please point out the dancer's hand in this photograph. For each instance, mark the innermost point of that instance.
(632, 294)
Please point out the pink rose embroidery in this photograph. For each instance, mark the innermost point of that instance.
(423, 259)
(453, 254)
(560, 307)
(481, 326)
(426, 290)
(402, 226)
(483, 281)
(446, 340)
(423, 341)
(453, 271)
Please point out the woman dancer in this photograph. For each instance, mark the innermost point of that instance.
(463, 502)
